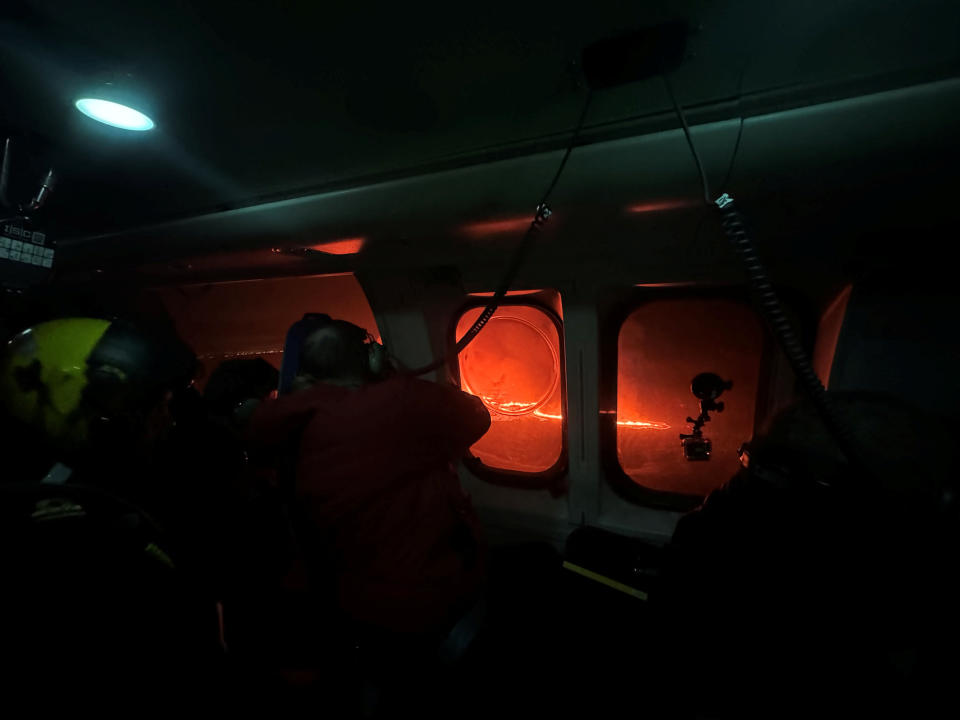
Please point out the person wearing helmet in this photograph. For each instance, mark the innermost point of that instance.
(99, 600)
(88, 389)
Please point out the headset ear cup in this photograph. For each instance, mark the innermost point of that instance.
(377, 357)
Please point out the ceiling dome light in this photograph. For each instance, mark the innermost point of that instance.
(114, 114)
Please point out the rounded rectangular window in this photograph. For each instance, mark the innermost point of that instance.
(515, 367)
(663, 345)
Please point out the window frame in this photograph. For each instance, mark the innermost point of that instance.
(617, 478)
(552, 478)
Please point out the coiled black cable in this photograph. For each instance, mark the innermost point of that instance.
(772, 310)
(767, 300)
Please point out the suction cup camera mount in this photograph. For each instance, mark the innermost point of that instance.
(706, 387)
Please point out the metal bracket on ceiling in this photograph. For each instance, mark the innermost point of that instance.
(46, 187)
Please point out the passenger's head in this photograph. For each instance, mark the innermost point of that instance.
(237, 386)
(87, 389)
(338, 353)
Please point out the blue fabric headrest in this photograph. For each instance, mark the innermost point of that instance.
(293, 346)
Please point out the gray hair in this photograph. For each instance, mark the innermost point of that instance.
(335, 351)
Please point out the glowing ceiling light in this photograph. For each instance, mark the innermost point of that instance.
(114, 114)
(659, 206)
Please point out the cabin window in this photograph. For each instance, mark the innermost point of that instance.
(515, 366)
(251, 318)
(662, 345)
(828, 335)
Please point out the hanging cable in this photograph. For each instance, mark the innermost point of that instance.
(772, 310)
(769, 304)
(707, 198)
(540, 217)
(733, 156)
(736, 143)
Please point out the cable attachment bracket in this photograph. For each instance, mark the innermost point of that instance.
(542, 215)
(724, 200)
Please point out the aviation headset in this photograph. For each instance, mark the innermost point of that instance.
(377, 365)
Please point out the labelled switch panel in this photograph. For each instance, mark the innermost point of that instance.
(26, 256)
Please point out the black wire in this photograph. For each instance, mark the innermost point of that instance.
(570, 146)
(736, 144)
(707, 197)
(733, 157)
(769, 304)
(772, 310)
(519, 256)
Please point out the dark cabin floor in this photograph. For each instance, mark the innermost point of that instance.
(553, 642)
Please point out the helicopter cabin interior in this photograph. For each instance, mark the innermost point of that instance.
(305, 160)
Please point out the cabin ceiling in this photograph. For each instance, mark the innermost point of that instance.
(257, 101)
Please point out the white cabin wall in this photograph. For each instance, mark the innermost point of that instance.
(418, 264)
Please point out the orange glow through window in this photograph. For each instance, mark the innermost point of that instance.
(662, 346)
(828, 335)
(514, 367)
(251, 318)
